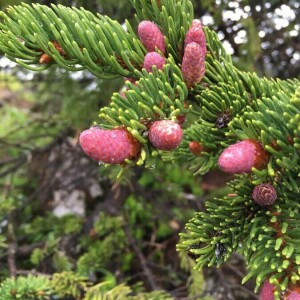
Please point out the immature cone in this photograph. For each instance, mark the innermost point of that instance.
(267, 291)
(109, 146)
(242, 157)
(165, 135)
(264, 194)
(151, 36)
(193, 65)
(196, 34)
(154, 59)
(293, 293)
(293, 296)
(196, 148)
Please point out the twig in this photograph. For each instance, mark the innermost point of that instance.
(235, 286)
(32, 272)
(26, 250)
(234, 270)
(12, 246)
(142, 259)
(19, 162)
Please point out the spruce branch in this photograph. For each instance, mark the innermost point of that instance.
(234, 111)
(174, 18)
(86, 41)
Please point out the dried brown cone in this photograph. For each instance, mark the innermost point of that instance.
(264, 194)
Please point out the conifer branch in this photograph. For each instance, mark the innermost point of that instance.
(235, 112)
(174, 18)
(83, 40)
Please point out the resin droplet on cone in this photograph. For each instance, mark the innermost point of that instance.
(193, 65)
(242, 157)
(151, 36)
(264, 194)
(109, 146)
(165, 135)
(267, 291)
(196, 35)
(154, 59)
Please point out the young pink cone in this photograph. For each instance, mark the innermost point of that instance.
(196, 35)
(151, 36)
(293, 293)
(193, 65)
(293, 296)
(165, 135)
(242, 157)
(154, 59)
(267, 291)
(109, 146)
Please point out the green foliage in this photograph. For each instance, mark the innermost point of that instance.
(52, 226)
(140, 107)
(110, 241)
(97, 292)
(68, 284)
(87, 42)
(196, 283)
(29, 288)
(122, 291)
(174, 18)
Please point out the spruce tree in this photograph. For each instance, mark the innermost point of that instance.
(176, 70)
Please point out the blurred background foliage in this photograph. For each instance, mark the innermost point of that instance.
(69, 221)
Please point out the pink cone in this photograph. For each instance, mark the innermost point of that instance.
(165, 135)
(242, 157)
(293, 296)
(267, 291)
(109, 146)
(293, 293)
(151, 36)
(196, 35)
(193, 65)
(154, 59)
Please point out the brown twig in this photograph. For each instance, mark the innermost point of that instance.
(32, 272)
(247, 291)
(26, 250)
(12, 246)
(142, 259)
